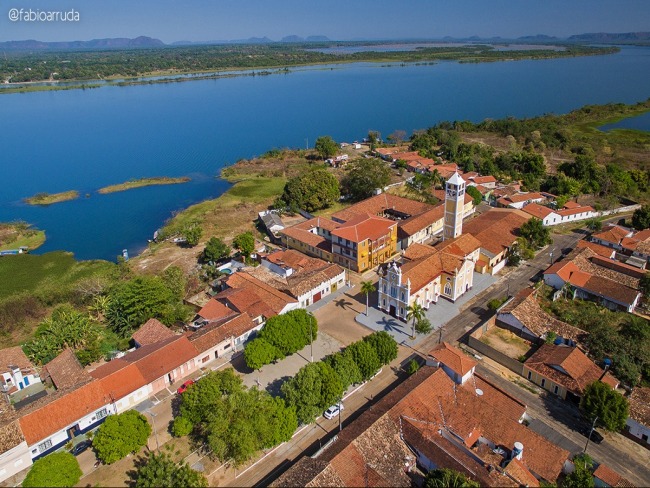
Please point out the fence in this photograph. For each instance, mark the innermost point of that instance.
(474, 341)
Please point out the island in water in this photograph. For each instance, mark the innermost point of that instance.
(139, 183)
(20, 235)
(50, 198)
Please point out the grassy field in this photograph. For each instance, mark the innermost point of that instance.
(31, 272)
(129, 185)
(50, 198)
(19, 234)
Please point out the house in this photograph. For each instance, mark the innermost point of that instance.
(386, 153)
(612, 236)
(364, 242)
(520, 200)
(246, 291)
(592, 282)
(271, 222)
(416, 221)
(489, 181)
(547, 215)
(219, 338)
(431, 421)
(426, 273)
(16, 371)
(150, 332)
(14, 453)
(523, 315)
(497, 231)
(638, 423)
(565, 371)
(605, 477)
(312, 237)
(212, 311)
(638, 248)
(65, 371)
(571, 212)
(458, 365)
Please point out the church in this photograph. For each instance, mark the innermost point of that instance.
(426, 273)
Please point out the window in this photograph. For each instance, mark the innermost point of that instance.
(402, 296)
(543, 382)
(44, 446)
(448, 289)
(384, 301)
(101, 414)
(384, 287)
(401, 311)
(555, 389)
(530, 374)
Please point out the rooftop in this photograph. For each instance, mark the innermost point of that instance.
(453, 358)
(364, 227)
(66, 371)
(640, 405)
(612, 233)
(272, 299)
(497, 229)
(213, 334)
(215, 310)
(152, 331)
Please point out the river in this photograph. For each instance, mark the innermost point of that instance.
(86, 139)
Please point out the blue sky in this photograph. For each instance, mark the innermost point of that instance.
(197, 20)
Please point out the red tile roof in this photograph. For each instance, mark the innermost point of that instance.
(611, 477)
(496, 229)
(120, 382)
(378, 204)
(453, 358)
(61, 410)
(273, 299)
(215, 310)
(640, 405)
(364, 227)
(536, 210)
(152, 331)
(12, 357)
(612, 233)
(574, 211)
(214, 334)
(604, 251)
(481, 180)
(567, 366)
(66, 371)
(156, 360)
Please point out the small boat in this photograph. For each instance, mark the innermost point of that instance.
(125, 254)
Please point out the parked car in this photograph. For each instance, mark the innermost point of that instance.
(596, 437)
(333, 411)
(185, 386)
(81, 447)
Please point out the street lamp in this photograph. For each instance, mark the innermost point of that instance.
(551, 257)
(311, 335)
(153, 419)
(591, 431)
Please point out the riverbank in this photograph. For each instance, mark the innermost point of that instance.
(50, 198)
(139, 183)
(15, 235)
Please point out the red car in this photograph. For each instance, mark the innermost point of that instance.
(185, 386)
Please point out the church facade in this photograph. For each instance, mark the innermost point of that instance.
(425, 273)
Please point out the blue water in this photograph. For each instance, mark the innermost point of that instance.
(641, 122)
(86, 139)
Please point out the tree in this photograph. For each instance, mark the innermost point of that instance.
(215, 250)
(290, 332)
(644, 285)
(397, 137)
(245, 244)
(412, 367)
(160, 470)
(120, 435)
(56, 469)
(415, 313)
(259, 352)
(312, 190)
(192, 234)
(423, 326)
(535, 233)
(475, 194)
(312, 390)
(581, 477)
(367, 287)
(641, 218)
(133, 302)
(181, 427)
(364, 177)
(326, 147)
(344, 366)
(448, 478)
(610, 408)
(594, 225)
(373, 138)
(176, 280)
(365, 357)
(384, 345)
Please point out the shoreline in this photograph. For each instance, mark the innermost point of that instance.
(44, 199)
(143, 182)
(181, 75)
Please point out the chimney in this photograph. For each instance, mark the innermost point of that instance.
(517, 451)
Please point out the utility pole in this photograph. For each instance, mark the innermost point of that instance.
(340, 408)
(591, 431)
(311, 333)
(153, 419)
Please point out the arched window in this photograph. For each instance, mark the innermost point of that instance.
(448, 289)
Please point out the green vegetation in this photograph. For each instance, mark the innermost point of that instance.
(367, 287)
(477, 198)
(448, 478)
(582, 476)
(56, 469)
(345, 368)
(131, 303)
(366, 358)
(50, 198)
(314, 388)
(245, 244)
(412, 367)
(536, 235)
(384, 345)
(160, 470)
(600, 401)
(215, 250)
(192, 234)
(281, 336)
(326, 147)
(312, 190)
(20, 234)
(364, 177)
(423, 326)
(93, 64)
(235, 422)
(641, 218)
(139, 183)
(120, 435)
(415, 313)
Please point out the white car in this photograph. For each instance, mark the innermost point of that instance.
(333, 411)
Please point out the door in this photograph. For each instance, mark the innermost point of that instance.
(392, 311)
(317, 296)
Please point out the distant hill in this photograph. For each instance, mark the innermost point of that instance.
(609, 37)
(109, 43)
(538, 38)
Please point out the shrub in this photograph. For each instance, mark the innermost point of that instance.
(56, 469)
(120, 435)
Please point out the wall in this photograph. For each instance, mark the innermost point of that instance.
(14, 460)
(473, 340)
(549, 385)
(637, 430)
(132, 399)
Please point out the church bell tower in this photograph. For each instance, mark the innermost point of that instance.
(454, 203)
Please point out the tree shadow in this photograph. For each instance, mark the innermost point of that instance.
(274, 387)
(139, 462)
(342, 302)
(239, 364)
(391, 325)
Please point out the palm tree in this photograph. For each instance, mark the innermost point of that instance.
(367, 287)
(414, 312)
